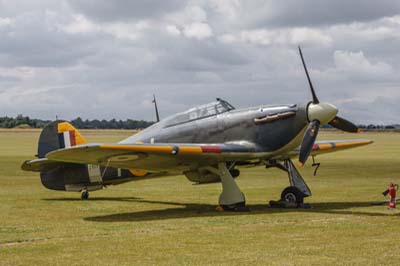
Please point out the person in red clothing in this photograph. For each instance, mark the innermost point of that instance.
(392, 194)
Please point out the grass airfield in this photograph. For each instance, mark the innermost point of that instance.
(169, 221)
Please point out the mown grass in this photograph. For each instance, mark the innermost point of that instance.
(168, 221)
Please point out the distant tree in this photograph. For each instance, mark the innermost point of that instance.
(78, 122)
(10, 122)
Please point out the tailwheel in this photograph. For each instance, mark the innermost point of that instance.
(85, 195)
(292, 194)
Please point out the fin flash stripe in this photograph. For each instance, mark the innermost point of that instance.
(211, 149)
(69, 136)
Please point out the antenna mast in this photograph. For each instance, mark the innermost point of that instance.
(155, 106)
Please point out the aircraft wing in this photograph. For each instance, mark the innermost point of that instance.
(153, 157)
(328, 146)
(165, 157)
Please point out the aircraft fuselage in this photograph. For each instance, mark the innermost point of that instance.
(267, 128)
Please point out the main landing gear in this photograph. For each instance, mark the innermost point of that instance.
(231, 198)
(298, 189)
(84, 195)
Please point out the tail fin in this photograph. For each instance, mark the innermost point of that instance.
(58, 135)
(70, 176)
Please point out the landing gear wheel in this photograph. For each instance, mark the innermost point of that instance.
(292, 194)
(235, 173)
(85, 195)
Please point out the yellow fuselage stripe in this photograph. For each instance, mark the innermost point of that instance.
(350, 144)
(190, 150)
(139, 148)
(162, 149)
(325, 146)
(166, 149)
(328, 146)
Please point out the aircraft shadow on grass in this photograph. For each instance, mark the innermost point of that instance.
(190, 210)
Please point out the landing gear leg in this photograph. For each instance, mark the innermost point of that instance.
(85, 195)
(231, 198)
(298, 189)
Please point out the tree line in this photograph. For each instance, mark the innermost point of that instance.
(27, 122)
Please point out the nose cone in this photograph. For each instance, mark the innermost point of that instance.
(323, 112)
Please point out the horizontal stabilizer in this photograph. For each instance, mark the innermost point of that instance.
(40, 165)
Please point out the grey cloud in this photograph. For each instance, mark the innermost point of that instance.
(91, 73)
(8, 79)
(381, 110)
(33, 41)
(117, 10)
(201, 56)
(18, 7)
(295, 13)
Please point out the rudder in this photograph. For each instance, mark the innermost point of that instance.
(58, 135)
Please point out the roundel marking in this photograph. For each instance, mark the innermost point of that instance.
(137, 172)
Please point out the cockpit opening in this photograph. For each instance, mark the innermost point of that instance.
(200, 112)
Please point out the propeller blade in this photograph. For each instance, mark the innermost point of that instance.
(343, 124)
(314, 96)
(308, 141)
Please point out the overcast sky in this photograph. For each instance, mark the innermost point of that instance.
(105, 59)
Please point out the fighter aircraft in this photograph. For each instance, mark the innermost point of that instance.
(206, 144)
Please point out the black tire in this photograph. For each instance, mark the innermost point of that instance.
(292, 194)
(85, 195)
(235, 173)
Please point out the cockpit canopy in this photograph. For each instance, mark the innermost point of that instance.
(199, 112)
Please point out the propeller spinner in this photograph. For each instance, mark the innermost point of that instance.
(319, 114)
